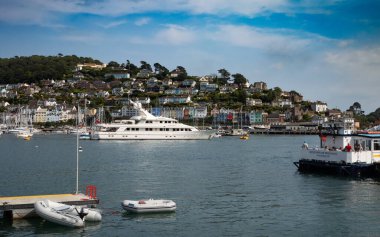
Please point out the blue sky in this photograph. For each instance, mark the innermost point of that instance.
(327, 50)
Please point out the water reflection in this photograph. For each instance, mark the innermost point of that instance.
(148, 216)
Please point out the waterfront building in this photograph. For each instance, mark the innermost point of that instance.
(40, 115)
(256, 117)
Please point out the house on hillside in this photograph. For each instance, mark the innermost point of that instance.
(124, 74)
(175, 100)
(253, 102)
(319, 107)
(144, 73)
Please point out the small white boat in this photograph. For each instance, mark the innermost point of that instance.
(51, 214)
(149, 206)
(24, 135)
(65, 214)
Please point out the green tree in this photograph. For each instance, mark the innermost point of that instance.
(239, 79)
(113, 64)
(146, 66)
(161, 71)
(225, 75)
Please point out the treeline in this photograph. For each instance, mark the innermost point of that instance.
(35, 68)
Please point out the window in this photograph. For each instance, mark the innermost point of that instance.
(368, 145)
(376, 145)
(111, 129)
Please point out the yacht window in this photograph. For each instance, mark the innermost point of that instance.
(137, 129)
(181, 129)
(376, 145)
(146, 129)
(160, 121)
(167, 129)
(161, 129)
(112, 129)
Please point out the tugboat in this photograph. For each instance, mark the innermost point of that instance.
(343, 151)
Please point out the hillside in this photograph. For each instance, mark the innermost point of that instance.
(35, 68)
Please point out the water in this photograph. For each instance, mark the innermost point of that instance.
(222, 187)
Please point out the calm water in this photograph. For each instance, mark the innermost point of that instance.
(222, 187)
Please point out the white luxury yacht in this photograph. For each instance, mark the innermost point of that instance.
(146, 126)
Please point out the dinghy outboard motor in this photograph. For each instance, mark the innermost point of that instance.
(83, 212)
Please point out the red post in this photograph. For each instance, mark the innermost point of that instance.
(91, 191)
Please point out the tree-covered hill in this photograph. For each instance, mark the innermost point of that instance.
(35, 68)
(374, 117)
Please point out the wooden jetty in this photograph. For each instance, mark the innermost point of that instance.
(23, 206)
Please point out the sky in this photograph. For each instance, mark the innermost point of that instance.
(327, 50)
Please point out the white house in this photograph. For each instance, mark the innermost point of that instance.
(319, 107)
(50, 102)
(200, 112)
(253, 102)
(175, 100)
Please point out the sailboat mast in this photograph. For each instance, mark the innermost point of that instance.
(77, 179)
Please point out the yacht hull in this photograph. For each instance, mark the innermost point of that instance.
(199, 135)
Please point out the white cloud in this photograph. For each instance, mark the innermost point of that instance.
(39, 11)
(142, 21)
(114, 24)
(241, 7)
(276, 41)
(170, 35)
(175, 34)
(360, 68)
(82, 38)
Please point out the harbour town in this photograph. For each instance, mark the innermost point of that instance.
(216, 101)
(189, 118)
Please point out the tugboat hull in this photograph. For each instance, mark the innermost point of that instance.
(338, 168)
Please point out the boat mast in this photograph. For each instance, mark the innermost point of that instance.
(77, 179)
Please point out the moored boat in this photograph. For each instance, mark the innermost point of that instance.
(49, 213)
(25, 135)
(342, 151)
(49, 210)
(245, 137)
(146, 126)
(149, 206)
